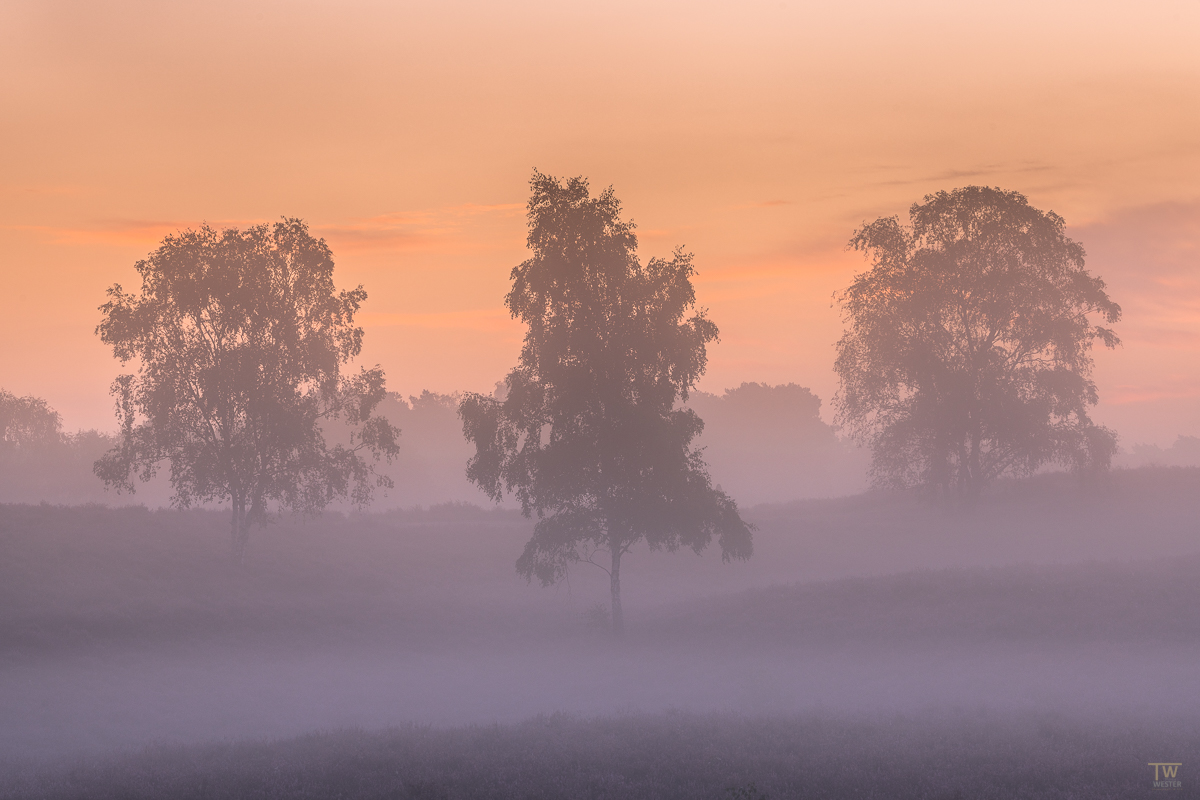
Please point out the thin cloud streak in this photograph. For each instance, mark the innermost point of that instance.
(1134, 395)
(449, 229)
(482, 320)
(445, 228)
(121, 232)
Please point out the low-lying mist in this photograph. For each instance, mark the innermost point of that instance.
(122, 627)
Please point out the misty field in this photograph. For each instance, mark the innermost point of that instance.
(938, 756)
(1044, 644)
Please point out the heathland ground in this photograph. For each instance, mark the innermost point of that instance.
(1043, 644)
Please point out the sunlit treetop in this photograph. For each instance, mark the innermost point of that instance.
(240, 337)
(967, 353)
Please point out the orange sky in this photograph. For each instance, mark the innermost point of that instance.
(759, 135)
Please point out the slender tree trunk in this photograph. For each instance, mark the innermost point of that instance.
(234, 526)
(941, 474)
(614, 575)
(976, 467)
(962, 473)
(240, 529)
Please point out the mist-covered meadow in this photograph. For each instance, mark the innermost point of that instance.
(875, 644)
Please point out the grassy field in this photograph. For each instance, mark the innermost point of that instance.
(1042, 645)
(932, 756)
(89, 574)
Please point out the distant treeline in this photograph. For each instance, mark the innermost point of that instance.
(39, 462)
(1184, 452)
(764, 444)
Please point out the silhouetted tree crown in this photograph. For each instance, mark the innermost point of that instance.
(240, 338)
(586, 432)
(967, 353)
(27, 422)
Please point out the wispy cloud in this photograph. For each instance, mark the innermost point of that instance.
(764, 204)
(445, 228)
(46, 190)
(491, 320)
(124, 232)
(452, 227)
(796, 260)
(971, 172)
(389, 232)
(121, 232)
(1125, 395)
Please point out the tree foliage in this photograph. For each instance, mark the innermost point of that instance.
(586, 433)
(240, 338)
(27, 422)
(967, 353)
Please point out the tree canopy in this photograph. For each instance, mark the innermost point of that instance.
(27, 422)
(586, 431)
(240, 338)
(967, 352)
